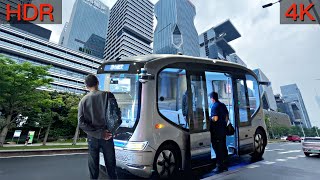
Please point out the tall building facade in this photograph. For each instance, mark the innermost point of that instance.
(236, 59)
(175, 31)
(292, 95)
(69, 67)
(130, 30)
(214, 43)
(88, 18)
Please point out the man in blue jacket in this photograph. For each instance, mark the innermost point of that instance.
(218, 123)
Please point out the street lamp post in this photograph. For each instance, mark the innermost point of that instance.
(310, 1)
(270, 4)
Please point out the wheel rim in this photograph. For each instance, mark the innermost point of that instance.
(166, 163)
(258, 143)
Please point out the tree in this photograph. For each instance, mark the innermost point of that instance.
(19, 83)
(51, 111)
(72, 104)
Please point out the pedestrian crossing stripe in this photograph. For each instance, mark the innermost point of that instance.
(281, 160)
(292, 157)
(267, 162)
(252, 166)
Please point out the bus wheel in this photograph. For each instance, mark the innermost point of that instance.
(166, 162)
(259, 144)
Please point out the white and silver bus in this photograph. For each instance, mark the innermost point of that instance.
(166, 109)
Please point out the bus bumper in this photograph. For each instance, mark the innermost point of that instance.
(139, 163)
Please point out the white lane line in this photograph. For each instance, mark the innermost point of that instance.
(69, 154)
(292, 151)
(274, 150)
(292, 157)
(267, 162)
(301, 156)
(252, 166)
(281, 160)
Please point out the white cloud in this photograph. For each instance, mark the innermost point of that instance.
(286, 53)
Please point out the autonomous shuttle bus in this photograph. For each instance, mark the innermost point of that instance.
(165, 111)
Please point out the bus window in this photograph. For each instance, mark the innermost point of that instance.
(242, 103)
(199, 120)
(221, 83)
(125, 88)
(172, 88)
(253, 93)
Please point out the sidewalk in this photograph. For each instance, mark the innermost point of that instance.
(18, 150)
(40, 144)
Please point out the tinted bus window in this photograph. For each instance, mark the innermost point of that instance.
(172, 97)
(253, 93)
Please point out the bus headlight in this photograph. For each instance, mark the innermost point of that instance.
(136, 146)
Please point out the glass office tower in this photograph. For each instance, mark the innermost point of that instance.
(292, 95)
(89, 17)
(175, 31)
(130, 30)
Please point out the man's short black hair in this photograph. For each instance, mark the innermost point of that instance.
(214, 96)
(91, 80)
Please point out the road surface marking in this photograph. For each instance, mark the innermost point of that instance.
(252, 166)
(40, 155)
(292, 151)
(292, 157)
(281, 160)
(267, 162)
(275, 150)
(301, 156)
(290, 144)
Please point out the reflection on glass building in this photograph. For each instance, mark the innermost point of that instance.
(69, 67)
(89, 17)
(130, 30)
(175, 31)
(292, 95)
(268, 99)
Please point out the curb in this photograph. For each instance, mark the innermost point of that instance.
(5, 153)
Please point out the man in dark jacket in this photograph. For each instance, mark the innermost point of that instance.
(92, 120)
(218, 122)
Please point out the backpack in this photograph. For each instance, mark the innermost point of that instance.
(113, 113)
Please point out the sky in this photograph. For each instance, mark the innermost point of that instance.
(287, 54)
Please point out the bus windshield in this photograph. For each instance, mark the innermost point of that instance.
(125, 88)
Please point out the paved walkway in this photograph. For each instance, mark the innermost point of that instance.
(40, 144)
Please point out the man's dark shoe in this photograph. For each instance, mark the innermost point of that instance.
(220, 169)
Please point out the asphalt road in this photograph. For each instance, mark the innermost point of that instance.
(281, 161)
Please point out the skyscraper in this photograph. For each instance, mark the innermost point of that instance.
(88, 17)
(175, 31)
(214, 43)
(130, 30)
(292, 95)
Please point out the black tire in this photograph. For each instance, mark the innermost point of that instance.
(307, 154)
(259, 144)
(167, 162)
